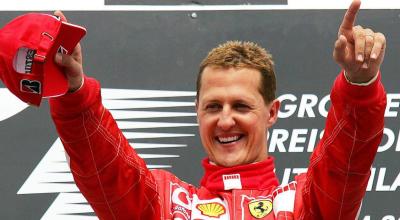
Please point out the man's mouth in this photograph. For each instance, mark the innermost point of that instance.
(227, 140)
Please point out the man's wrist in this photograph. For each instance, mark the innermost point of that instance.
(72, 90)
(361, 84)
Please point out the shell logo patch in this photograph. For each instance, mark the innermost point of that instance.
(260, 208)
(211, 209)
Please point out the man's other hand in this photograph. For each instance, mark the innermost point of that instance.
(359, 51)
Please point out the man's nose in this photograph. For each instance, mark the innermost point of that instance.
(226, 120)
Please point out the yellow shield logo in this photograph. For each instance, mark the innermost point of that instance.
(260, 208)
(211, 209)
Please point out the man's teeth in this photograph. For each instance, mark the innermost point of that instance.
(228, 139)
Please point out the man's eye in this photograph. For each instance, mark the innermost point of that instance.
(241, 107)
(213, 107)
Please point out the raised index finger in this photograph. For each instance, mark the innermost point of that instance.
(350, 17)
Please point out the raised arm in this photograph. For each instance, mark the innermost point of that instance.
(107, 170)
(339, 167)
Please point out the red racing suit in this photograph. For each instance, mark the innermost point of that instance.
(117, 184)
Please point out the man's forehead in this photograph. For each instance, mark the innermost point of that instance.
(232, 83)
(230, 77)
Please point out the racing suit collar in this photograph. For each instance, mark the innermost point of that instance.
(258, 176)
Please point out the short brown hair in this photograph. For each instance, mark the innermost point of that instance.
(238, 54)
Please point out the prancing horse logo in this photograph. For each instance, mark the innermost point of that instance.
(260, 208)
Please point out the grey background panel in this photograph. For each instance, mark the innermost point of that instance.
(195, 2)
(162, 50)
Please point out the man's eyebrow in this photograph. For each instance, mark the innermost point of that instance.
(205, 100)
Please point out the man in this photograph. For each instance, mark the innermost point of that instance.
(236, 105)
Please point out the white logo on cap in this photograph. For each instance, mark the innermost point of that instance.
(23, 60)
(62, 50)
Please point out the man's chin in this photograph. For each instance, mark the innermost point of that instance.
(224, 162)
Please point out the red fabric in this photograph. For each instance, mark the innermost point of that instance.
(340, 165)
(118, 185)
(259, 176)
(285, 216)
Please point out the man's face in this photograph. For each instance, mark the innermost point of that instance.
(233, 117)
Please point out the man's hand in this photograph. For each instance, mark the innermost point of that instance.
(359, 51)
(71, 64)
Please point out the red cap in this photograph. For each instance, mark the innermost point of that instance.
(28, 45)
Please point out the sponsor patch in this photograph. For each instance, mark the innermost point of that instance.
(283, 197)
(180, 202)
(30, 86)
(211, 209)
(232, 181)
(260, 208)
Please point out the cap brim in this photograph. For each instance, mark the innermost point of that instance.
(55, 83)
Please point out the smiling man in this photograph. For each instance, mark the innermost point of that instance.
(235, 105)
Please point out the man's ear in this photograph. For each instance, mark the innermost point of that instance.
(273, 109)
